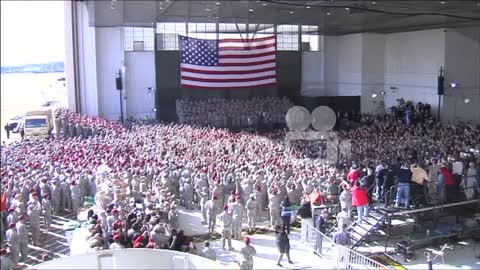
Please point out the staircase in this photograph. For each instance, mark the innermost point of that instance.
(360, 232)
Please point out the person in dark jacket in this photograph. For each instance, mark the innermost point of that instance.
(7, 130)
(404, 178)
(286, 214)
(321, 221)
(178, 242)
(388, 183)
(173, 233)
(283, 244)
(379, 179)
(305, 211)
(22, 133)
(370, 182)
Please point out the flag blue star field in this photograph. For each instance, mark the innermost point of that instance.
(227, 63)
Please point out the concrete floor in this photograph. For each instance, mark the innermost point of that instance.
(462, 256)
(264, 243)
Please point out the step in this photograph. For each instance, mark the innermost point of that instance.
(353, 232)
(361, 232)
(371, 221)
(363, 227)
(356, 238)
(376, 215)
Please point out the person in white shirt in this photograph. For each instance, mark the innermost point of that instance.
(236, 209)
(346, 199)
(457, 169)
(208, 252)
(468, 183)
(344, 218)
(433, 172)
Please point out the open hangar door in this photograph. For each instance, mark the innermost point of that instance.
(140, 84)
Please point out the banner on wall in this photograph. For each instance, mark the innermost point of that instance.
(227, 63)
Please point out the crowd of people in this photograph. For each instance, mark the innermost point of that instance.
(233, 113)
(138, 176)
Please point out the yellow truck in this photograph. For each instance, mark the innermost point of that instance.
(38, 124)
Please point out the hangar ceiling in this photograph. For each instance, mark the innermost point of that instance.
(332, 16)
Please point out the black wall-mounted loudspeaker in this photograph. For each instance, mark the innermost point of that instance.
(118, 83)
(440, 85)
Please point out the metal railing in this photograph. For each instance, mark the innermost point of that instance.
(319, 242)
(343, 257)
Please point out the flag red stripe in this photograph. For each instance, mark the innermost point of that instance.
(246, 64)
(228, 80)
(246, 48)
(232, 72)
(225, 88)
(245, 55)
(245, 40)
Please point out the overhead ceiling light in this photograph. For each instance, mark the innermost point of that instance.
(443, 2)
(347, 8)
(374, 3)
(307, 6)
(218, 3)
(291, 12)
(374, 95)
(207, 9)
(160, 7)
(328, 13)
(467, 100)
(251, 10)
(264, 4)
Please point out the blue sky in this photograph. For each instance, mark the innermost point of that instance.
(32, 32)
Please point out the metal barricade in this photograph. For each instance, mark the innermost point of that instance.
(343, 257)
(320, 243)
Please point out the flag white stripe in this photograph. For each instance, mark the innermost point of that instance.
(245, 44)
(227, 84)
(228, 76)
(246, 60)
(222, 68)
(249, 52)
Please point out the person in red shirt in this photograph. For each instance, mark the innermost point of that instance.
(449, 184)
(360, 200)
(353, 175)
(143, 239)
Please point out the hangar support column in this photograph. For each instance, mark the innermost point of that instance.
(71, 55)
(80, 58)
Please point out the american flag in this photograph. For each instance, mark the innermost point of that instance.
(227, 63)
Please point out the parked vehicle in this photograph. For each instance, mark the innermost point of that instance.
(15, 123)
(38, 124)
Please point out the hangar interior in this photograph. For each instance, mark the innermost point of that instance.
(361, 55)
